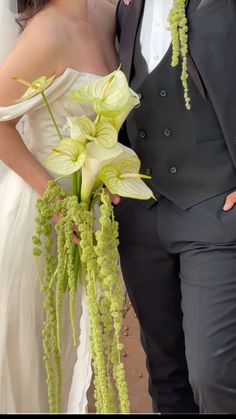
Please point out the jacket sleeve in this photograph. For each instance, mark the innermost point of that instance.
(121, 10)
(216, 62)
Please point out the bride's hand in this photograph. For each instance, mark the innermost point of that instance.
(115, 199)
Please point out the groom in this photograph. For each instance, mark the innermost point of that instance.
(178, 254)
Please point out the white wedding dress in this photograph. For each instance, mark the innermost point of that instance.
(22, 376)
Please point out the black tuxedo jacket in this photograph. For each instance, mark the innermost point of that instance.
(212, 54)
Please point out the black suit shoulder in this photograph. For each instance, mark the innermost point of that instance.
(121, 10)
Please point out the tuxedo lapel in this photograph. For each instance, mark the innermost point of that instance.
(192, 5)
(128, 35)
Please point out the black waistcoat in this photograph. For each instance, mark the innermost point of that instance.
(184, 151)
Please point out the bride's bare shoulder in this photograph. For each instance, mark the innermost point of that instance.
(46, 27)
(37, 52)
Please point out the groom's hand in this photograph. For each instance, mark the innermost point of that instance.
(230, 201)
(115, 199)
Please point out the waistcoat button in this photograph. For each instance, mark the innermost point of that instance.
(173, 170)
(142, 134)
(163, 93)
(140, 96)
(167, 132)
(148, 171)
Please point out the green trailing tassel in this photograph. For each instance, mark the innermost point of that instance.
(97, 255)
(179, 31)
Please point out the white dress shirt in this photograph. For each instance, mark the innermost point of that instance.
(155, 36)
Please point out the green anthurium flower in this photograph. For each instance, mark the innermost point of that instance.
(37, 86)
(118, 120)
(66, 158)
(103, 132)
(122, 177)
(109, 95)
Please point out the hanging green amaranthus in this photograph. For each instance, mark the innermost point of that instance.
(179, 31)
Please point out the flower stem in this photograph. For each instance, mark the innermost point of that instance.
(51, 114)
(79, 183)
(74, 183)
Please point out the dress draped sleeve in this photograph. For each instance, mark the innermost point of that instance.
(59, 86)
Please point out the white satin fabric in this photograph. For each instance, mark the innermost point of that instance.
(22, 376)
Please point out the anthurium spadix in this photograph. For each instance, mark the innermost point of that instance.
(109, 95)
(66, 158)
(122, 177)
(102, 132)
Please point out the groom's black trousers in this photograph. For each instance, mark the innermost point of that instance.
(179, 267)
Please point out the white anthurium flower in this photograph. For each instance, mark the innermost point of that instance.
(122, 177)
(80, 127)
(96, 157)
(109, 95)
(102, 132)
(66, 158)
(38, 86)
(118, 120)
(106, 135)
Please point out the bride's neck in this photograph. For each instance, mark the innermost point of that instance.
(78, 9)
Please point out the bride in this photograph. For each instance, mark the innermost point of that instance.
(74, 40)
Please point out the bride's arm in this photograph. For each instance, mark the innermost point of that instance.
(15, 155)
(36, 53)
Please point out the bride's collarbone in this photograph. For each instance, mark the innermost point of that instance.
(91, 59)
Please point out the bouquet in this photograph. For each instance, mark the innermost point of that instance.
(97, 164)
